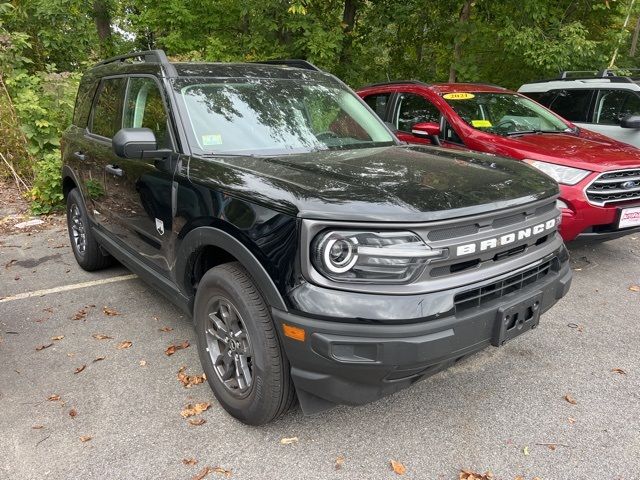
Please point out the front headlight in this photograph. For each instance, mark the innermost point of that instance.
(560, 173)
(371, 257)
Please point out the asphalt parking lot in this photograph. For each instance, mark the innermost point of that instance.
(502, 410)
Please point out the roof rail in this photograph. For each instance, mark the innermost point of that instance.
(150, 56)
(396, 82)
(294, 62)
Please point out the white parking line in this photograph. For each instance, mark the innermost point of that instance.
(65, 288)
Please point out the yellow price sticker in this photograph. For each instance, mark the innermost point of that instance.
(481, 123)
(458, 96)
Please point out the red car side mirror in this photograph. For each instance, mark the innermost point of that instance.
(429, 130)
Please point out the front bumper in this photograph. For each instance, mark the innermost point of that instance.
(357, 362)
(585, 221)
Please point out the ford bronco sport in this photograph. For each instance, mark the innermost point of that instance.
(317, 255)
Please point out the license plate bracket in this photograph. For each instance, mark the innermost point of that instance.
(517, 318)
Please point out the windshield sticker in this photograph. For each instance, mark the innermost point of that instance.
(208, 140)
(458, 96)
(481, 123)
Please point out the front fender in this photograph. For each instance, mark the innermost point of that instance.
(209, 236)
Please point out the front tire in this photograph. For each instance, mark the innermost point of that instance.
(239, 347)
(83, 243)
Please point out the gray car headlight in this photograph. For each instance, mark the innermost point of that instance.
(371, 257)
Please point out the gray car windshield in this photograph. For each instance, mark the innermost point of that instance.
(276, 116)
(504, 113)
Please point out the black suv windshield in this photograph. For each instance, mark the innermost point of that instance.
(275, 116)
(504, 113)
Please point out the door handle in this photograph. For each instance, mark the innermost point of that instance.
(114, 170)
(79, 155)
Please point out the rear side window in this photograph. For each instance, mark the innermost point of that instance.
(573, 104)
(86, 91)
(144, 108)
(614, 105)
(106, 112)
(378, 103)
(414, 109)
(543, 98)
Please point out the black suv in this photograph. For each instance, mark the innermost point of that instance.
(317, 254)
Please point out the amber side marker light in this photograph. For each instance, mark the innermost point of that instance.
(295, 333)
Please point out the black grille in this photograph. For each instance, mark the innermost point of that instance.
(453, 232)
(618, 186)
(479, 296)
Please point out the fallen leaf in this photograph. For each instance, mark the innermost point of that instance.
(570, 399)
(38, 427)
(143, 363)
(197, 421)
(73, 413)
(85, 438)
(471, 475)
(339, 462)
(222, 471)
(171, 349)
(519, 477)
(635, 288)
(202, 473)
(80, 314)
(572, 420)
(110, 312)
(288, 441)
(124, 345)
(42, 347)
(398, 468)
(58, 337)
(165, 329)
(79, 369)
(189, 461)
(101, 336)
(53, 398)
(525, 451)
(71, 354)
(618, 370)
(551, 446)
(191, 410)
(98, 359)
(188, 381)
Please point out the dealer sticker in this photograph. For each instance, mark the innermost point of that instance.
(458, 96)
(629, 217)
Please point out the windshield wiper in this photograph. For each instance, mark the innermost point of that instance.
(536, 131)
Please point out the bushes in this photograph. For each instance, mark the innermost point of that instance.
(35, 108)
(44, 105)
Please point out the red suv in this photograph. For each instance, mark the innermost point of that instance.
(599, 177)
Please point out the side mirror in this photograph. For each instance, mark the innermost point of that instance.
(632, 121)
(136, 143)
(429, 130)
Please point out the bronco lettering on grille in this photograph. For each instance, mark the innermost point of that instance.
(506, 239)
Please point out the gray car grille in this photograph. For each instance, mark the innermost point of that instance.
(613, 187)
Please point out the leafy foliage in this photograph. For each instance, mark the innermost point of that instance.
(45, 43)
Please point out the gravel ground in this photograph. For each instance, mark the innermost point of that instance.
(501, 410)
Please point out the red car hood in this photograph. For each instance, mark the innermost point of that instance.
(588, 150)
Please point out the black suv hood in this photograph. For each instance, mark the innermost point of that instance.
(398, 183)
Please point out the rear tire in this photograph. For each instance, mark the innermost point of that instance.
(239, 347)
(83, 243)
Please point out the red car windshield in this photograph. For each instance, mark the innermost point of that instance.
(504, 113)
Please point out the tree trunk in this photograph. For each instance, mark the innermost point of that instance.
(348, 23)
(102, 17)
(634, 41)
(465, 14)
